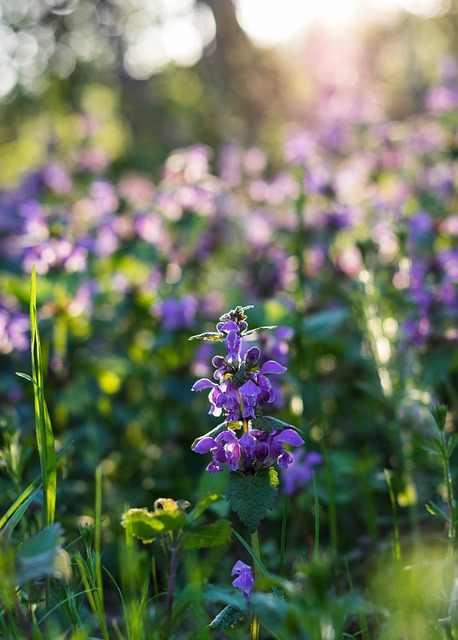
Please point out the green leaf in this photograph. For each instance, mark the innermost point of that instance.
(252, 496)
(203, 505)
(146, 525)
(210, 535)
(24, 497)
(268, 424)
(227, 618)
(43, 427)
(434, 510)
(42, 555)
(257, 330)
(432, 448)
(209, 336)
(451, 445)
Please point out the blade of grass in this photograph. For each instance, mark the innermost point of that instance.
(396, 541)
(44, 432)
(97, 547)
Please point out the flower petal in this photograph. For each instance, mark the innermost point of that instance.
(205, 445)
(249, 389)
(204, 383)
(289, 436)
(272, 367)
(238, 567)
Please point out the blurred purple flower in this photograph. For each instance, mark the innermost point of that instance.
(57, 178)
(299, 472)
(176, 313)
(14, 330)
(245, 579)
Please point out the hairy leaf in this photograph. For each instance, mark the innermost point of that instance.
(252, 496)
(227, 618)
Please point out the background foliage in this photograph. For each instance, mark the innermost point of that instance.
(317, 183)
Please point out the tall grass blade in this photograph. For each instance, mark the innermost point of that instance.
(44, 432)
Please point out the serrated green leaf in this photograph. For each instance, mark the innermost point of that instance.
(203, 505)
(227, 618)
(252, 496)
(210, 535)
(146, 525)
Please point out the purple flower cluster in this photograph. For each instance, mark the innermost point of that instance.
(254, 450)
(433, 282)
(241, 391)
(242, 385)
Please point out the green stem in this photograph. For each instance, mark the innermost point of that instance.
(255, 624)
(449, 489)
(283, 539)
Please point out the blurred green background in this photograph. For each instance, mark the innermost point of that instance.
(154, 75)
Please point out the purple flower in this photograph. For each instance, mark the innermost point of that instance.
(238, 398)
(277, 441)
(228, 453)
(254, 450)
(245, 578)
(241, 390)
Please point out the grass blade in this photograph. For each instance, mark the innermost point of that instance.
(44, 432)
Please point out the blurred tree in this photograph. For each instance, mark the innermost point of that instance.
(208, 89)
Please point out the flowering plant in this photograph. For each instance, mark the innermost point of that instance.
(240, 393)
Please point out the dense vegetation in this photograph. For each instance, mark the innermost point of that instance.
(338, 236)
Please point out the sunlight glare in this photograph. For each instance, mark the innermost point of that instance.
(273, 22)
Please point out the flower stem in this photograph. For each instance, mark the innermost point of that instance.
(174, 551)
(255, 624)
(449, 490)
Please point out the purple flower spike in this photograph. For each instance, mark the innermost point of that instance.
(245, 579)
